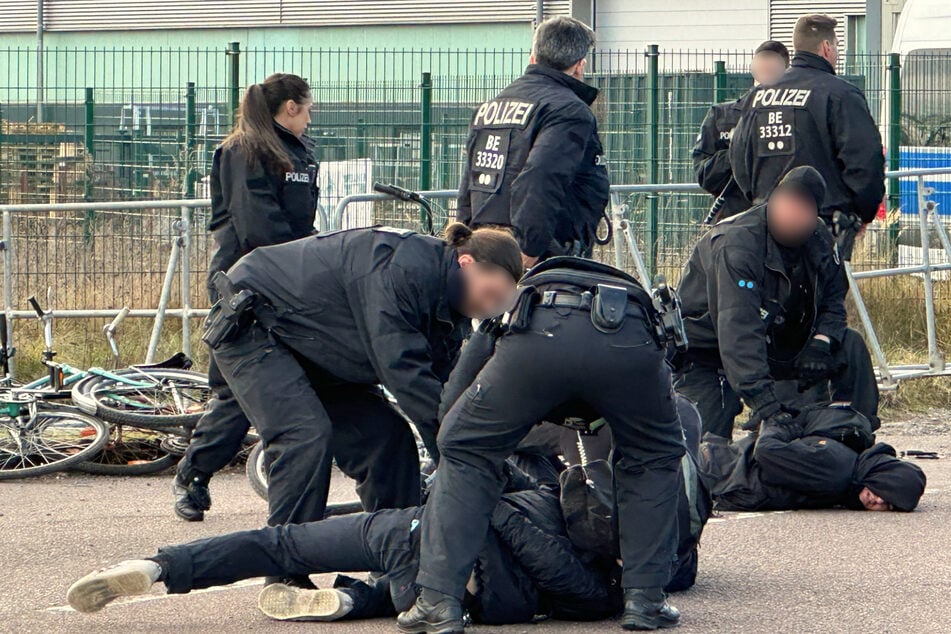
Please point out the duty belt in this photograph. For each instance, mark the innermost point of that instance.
(566, 299)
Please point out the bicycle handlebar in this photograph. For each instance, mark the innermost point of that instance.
(35, 305)
(111, 327)
(396, 192)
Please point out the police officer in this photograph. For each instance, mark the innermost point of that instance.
(764, 304)
(264, 191)
(580, 336)
(535, 161)
(811, 117)
(711, 153)
(306, 331)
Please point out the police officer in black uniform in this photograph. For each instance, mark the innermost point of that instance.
(535, 161)
(580, 338)
(811, 117)
(264, 191)
(306, 331)
(711, 153)
(764, 306)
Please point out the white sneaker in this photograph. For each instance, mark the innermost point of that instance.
(128, 578)
(286, 603)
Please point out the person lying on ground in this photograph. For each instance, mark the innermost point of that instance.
(815, 461)
(527, 569)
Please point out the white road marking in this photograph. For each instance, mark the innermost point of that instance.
(158, 597)
(744, 516)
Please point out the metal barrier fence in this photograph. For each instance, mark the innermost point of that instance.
(162, 251)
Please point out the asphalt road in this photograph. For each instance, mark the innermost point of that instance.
(822, 571)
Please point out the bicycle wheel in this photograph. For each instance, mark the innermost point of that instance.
(160, 399)
(256, 470)
(131, 451)
(48, 440)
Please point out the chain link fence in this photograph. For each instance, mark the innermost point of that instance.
(139, 124)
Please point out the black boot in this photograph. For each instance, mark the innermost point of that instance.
(434, 613)
(192, 497)
(647, 609)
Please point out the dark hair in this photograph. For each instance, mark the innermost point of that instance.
(812, 30)
(487, 245)
(562, 42)
(254, 131)
(772, 46)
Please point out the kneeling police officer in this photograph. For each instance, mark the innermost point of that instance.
(581, 337)
(764, 307)
(306, 331)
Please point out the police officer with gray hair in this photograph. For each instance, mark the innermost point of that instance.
(535, 161)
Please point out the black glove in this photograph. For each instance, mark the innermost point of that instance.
(772, 413)
(815, 363)
(845, 227)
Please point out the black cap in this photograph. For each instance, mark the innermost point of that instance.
(772, 46)
(805, 180)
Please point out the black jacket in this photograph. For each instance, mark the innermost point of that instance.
(535, 163)
(734, 290)
(811, 117)
(367, 306)
(254, 205)
(711, 157)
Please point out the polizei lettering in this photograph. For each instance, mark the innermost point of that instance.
(503, 114)
(296, 177)
(795, 97)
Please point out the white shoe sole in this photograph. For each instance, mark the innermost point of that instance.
(94, 591)
(285, 603)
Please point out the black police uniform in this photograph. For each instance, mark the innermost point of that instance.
(535, 163)
(251, 206)
(559, 355)
(527, 565)
(711, 158)
(811, 117)
(750, 309)
(333, 316)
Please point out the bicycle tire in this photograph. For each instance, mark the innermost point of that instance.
(131, 452)
(91, 435)
(254, 468)
(99, 395)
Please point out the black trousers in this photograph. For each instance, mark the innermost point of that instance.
(306, 421)
(561, 358)
(380, 542)
(719, 404)
(220, 433)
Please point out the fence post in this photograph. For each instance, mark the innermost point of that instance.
(894, 128)
(719, 81)
(89, 137)
(2, 199)
(234, 89)
(185, 277)
(190, 118)
(362, 138)
(425, 139)
(653, 125)
(8, 279)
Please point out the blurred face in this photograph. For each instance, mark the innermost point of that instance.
(489, 289)
(295, 116)
(767, 68)
(791, 216)
(873, 502)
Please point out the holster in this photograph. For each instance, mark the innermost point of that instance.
(519, 318)
(231, 314)
(609, 308)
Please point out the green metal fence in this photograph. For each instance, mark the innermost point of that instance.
(142, 124)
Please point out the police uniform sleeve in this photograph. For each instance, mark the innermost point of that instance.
(735, 299)
(540, 190)
(255, 209)
(858, 149)
(464, 202)
(831, 318)
(387, 309)
(740, 156)
(711, 156)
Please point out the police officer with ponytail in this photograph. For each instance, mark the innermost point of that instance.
(535, 161)
(305, 333)
(264, 191)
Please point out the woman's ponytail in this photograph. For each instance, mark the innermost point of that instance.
(488, 246)
(254, 132)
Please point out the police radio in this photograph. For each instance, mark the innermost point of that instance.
(670, 322)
